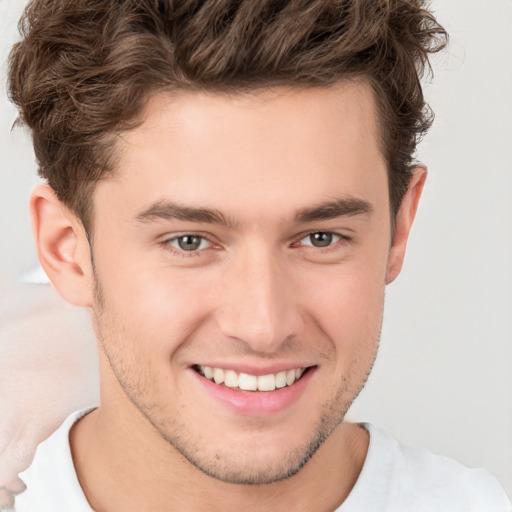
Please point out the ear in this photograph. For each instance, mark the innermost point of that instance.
(62, 246)
(403, 222)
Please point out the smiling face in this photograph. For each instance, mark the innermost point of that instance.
(240, 258)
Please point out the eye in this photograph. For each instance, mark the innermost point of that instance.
(320, 239)
(189, 243)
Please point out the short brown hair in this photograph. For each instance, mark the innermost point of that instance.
(85, 69)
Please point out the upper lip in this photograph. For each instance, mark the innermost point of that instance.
(256, 370)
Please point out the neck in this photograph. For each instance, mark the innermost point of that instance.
(151, 475)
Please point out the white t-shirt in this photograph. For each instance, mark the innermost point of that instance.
(394, 478)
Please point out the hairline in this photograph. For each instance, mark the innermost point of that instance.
(111, 139)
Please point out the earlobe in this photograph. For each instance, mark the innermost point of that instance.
(404, 221)
(62, 246)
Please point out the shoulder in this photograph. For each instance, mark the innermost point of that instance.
(443, 482)
(51, 481)
(409, 478)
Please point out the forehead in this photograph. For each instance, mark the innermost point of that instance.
(292, 113)
(277, 146)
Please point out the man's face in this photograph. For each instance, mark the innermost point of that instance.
(245, 237)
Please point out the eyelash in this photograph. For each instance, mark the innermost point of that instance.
(187, 254)
(181, 252)
(341, 241)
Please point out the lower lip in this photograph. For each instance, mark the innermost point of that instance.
(256, 403)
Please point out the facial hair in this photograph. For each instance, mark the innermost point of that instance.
(135, 379)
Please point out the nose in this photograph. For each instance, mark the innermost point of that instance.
(259, 306)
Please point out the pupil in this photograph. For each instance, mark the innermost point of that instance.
(321, 239)
(189, 243)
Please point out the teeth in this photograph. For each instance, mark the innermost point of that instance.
(247, 382)
(230, 379)
(267, 382)
(208, 372)
(281, 380)
(218, 375)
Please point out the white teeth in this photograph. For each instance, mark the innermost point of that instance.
(231, 379)
(218, 375)
(247, 382)
(280, 380)
(208, 372)
(267, 382)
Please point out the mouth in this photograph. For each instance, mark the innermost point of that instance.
(247, 382)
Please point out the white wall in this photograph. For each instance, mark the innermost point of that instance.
(443, 378)
(17, 167)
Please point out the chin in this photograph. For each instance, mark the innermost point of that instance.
(256, 459)
(248, 469)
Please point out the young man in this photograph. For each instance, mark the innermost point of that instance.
(230, 187)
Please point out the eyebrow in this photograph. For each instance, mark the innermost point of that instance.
(167, 210)
(346, 207)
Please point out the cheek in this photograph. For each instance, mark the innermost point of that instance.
(347, 304)
(156, 308)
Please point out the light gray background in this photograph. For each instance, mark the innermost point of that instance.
(443, 378)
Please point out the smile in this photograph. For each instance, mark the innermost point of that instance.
(247, 382)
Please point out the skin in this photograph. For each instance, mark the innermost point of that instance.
(256, 293)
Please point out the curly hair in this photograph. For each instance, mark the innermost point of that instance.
(84, 70)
